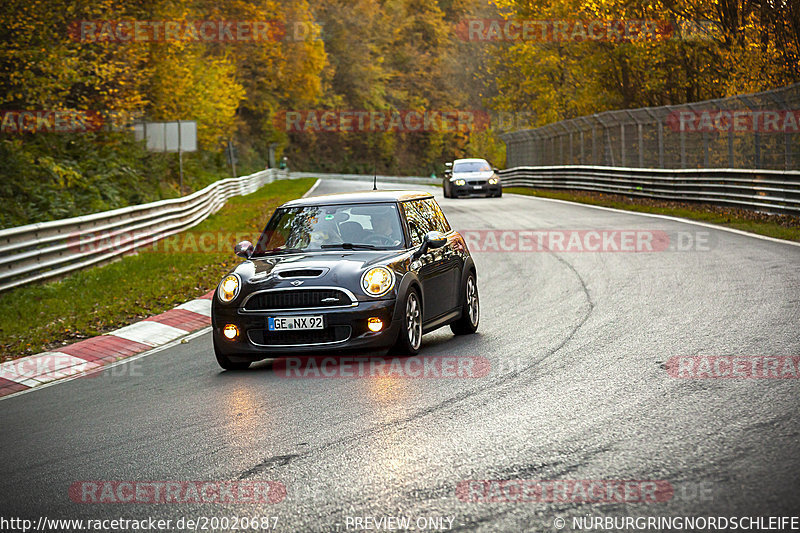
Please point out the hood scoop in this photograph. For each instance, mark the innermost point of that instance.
(300, 273)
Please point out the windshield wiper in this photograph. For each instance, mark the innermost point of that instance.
(281, 251)
(351, 246)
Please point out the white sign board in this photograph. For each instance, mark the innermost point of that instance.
(180, 136)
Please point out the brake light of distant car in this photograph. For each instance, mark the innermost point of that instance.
(229, 288)
(230, 331)
(493, 181)
(377, 281)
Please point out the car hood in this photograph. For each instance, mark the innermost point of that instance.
(472, 176)
(337, 268)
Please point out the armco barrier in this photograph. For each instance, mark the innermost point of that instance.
(43, 251)
(761, 190)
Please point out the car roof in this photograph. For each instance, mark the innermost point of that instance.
(362, 197)
(471, 160)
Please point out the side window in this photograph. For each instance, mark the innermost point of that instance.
(441, 221)
(417, 225)
(430, 213)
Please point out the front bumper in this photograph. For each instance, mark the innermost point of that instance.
(470, 189)
(345, 331)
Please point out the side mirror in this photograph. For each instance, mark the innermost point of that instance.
(244, 249)
(448, 165)
(432, 240)
(496, 169)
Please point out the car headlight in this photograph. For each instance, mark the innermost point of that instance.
(229, 288)
(377, 281)
(493, 181)
(460, 182)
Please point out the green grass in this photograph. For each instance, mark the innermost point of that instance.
(42, 317)
(777, 226)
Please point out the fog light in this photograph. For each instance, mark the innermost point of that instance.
(375, 324)
(230, 331)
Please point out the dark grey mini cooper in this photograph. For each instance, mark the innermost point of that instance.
(355, 271)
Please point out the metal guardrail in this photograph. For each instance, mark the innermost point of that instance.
(46, 250)
(419, 180)
(761, 190)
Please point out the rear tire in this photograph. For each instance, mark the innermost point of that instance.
(225, 362)
(410, 337)
(471, 312)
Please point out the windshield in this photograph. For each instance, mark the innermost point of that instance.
(472, 166)
(361, 226)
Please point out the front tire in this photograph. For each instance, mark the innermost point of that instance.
(410, 336)
(471, 312)
(225, 362)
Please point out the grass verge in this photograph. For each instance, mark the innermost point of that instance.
(42, 317)
(777, 226)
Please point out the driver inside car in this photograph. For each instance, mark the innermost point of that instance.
(383, 227)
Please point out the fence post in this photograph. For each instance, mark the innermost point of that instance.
(641, 145)
(731, 161)
(570, 149)
(683, 148)
(622, 144)
(660, 144)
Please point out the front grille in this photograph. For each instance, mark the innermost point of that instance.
(301, 273)
(477, 183)
(297, 299)
(295, 337)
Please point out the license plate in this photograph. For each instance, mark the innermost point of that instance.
(477, 186)
(294, 322)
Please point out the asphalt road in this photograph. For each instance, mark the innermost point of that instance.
(577, 391)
